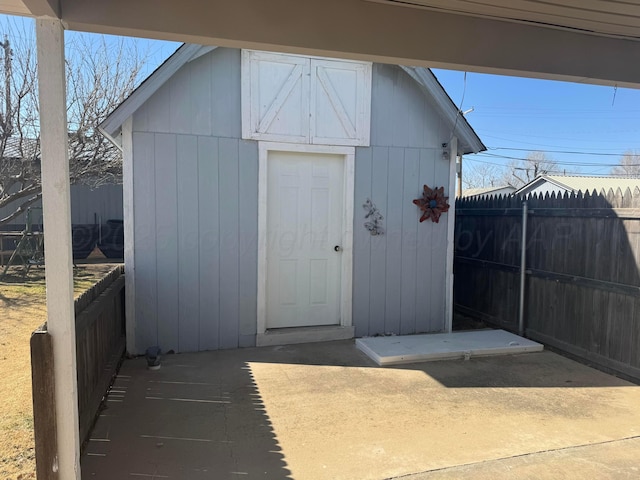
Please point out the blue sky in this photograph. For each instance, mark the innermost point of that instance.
(513, 116)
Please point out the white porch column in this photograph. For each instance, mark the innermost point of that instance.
(451, 226)
(57, 239)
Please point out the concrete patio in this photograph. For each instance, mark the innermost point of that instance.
(325, 411)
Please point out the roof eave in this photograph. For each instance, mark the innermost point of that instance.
(468, 139)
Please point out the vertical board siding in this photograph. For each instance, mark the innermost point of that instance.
(188, 234)
(378, 273)
(395, 274)
(229, 239)
(361, 243)
(208, 243)
(144, 187)
(166, 212)
(196, 216)
(225, 96)
(408, 280)
(393, 269)
(196, 242)
(424, 275)
(398, 277)
(382, 103)
(437, 320)
(248, 233)
(202, 98)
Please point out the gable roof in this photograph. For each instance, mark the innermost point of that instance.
(111, 127)
(468, 139)
(583, 183)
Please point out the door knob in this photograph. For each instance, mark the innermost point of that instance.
(337, 248)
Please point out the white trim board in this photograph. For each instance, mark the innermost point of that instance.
(347, 254)
(451, 227)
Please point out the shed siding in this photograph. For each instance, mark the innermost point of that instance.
(196, 191)
(202, 98)
(399, 276)
(195, 247)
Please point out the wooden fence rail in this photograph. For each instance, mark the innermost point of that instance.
(582, 291)
(100, 345)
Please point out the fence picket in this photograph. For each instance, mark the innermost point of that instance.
(583, 292)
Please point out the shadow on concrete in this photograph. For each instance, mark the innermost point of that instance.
(197, 417)
(535, 370)
(320, 410)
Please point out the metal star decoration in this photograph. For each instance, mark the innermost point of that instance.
(432, 204)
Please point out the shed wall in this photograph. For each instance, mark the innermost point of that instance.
(195, 197)
(399, 277)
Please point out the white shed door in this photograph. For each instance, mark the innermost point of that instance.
(340, 102)
(296, 99)
(278, 98)
(304, 225)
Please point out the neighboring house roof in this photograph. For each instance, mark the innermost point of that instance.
(469, 142)
(583, 183)
(18, 148)
(476, 192)
(28, 149)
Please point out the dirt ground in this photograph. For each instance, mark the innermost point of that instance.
(22, 310)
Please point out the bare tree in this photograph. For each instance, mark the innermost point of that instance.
(521, 172)
(629, 165)
(101, 73)
(481, 175)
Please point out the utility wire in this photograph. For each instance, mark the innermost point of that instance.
(561, 151)
(557, 162)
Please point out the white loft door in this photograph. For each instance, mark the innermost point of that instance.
(304, 226)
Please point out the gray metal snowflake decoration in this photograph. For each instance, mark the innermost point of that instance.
(374, 218)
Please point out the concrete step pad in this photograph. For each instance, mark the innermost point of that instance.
(396, 350)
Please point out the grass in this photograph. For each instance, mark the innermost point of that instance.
(22, 310)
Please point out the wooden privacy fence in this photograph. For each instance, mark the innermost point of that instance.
(582, 286)
(100, 345)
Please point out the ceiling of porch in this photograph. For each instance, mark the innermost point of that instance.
(595, 41)
(599, 17)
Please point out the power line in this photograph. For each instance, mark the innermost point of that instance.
(541, 144)
(574, 164)
(556, 162)
(561, 151)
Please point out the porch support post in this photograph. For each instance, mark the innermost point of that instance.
(57, 239)
(451, 226)
(129, 232)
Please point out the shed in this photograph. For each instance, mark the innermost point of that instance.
(274, 200)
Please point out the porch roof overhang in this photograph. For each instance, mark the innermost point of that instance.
(559, 39)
